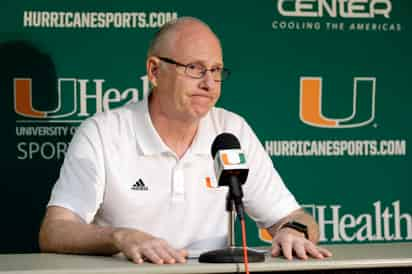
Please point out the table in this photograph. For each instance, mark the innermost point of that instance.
(346, 256)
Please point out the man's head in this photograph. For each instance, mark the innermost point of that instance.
(184, 92)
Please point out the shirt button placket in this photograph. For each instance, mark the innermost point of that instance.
(178, 185)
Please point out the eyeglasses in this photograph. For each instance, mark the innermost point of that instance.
(198, 71)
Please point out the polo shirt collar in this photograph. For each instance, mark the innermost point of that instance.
(150, 141)
(147, 137)
(204, 137)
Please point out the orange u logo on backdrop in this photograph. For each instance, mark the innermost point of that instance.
(311, 111)
(23, 100)
(363, 103)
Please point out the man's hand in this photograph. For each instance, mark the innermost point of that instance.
(63, 231)
(289, 241)
(138, 246)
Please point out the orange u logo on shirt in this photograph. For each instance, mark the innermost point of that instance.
(208, 182)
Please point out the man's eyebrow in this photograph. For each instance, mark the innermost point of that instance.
(214, 65)
(203, 62)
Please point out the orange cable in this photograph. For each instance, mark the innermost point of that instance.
(246, 260)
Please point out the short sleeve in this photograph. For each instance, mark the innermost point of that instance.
(80, 186)
(266, 197)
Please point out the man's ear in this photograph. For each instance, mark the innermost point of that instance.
(152, 68)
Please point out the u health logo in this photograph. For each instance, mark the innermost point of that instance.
(363, 111)
(77, 99)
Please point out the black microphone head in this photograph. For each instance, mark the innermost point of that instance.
(224, 141)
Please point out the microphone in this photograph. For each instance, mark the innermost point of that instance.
(231, 168)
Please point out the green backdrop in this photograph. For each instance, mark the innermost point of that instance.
(326, 85)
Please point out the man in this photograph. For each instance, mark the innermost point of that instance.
(133, 180)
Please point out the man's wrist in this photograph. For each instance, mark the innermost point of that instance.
(297, 226)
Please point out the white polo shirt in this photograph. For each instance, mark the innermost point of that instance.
(118, 172)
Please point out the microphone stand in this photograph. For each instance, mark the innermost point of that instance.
(232, 253)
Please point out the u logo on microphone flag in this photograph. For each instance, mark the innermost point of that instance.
(233, 158)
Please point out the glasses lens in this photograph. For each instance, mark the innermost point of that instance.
(198, 71)
(195, 70)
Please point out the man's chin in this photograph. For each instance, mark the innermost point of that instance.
(199, 113)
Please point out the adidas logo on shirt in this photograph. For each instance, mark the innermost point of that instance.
(139, 185)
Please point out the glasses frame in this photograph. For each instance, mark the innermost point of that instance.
(225, 72)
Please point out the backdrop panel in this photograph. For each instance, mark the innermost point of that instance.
(325, 84)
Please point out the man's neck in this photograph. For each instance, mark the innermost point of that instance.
(176, 133)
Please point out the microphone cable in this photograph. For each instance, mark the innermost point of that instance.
(245, 256)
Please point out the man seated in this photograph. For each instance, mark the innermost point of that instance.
(134, 178)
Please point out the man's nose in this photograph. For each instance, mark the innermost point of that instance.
(208, 81)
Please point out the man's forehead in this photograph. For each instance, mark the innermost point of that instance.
(199, 45)
(190, 27)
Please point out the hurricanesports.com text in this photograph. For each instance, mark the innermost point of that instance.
(96, 20)
(336, 147)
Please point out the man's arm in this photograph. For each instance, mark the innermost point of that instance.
(63, 231)
(301, 217)
(287, 240)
